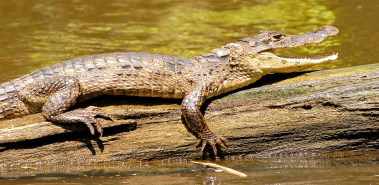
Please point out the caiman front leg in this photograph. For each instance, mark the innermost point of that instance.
(58, 94)
(194, 119)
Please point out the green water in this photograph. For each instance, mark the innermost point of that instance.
(37, 33)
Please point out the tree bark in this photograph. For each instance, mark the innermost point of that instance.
(281, 113)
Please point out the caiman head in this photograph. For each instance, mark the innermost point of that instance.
(259, 51)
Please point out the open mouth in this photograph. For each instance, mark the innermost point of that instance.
(314, 59)
(295, 41)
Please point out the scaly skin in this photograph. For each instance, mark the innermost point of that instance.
(54, 89)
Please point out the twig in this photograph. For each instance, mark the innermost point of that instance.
(226, 169)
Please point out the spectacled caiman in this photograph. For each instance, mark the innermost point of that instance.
(54, 89)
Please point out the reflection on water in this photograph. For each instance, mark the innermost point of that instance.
(352, 167)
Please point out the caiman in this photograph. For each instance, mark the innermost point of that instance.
(55, 89)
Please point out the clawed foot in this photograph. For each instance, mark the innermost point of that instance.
(86, 116)
(89, 115)
(211, 139)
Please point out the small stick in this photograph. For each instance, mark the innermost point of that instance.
(226, 169)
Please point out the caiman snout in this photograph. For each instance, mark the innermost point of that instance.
(313, 37)
(329, 30)
(274, 41)
(266, 60)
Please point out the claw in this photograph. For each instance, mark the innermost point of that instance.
(90, 126)
(213, 140)
(214, 147)
(96, 112)
(222, 139)
(99, 128)
(198, 142)
(221, 142)
(105, 115)
(204, 144)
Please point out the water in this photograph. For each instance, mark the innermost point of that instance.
(42, 32)
(352, 167)
(37, 33)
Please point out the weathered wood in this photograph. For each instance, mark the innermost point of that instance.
(322, 110)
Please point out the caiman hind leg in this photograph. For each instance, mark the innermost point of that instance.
(194, 119)
(55, 96)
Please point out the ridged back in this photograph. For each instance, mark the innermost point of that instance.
(126, 62)
(10, 104)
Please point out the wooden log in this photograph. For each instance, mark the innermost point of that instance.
(282, 113)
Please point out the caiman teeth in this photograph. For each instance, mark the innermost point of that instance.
(316, 59)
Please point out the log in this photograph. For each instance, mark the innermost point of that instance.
(325, 110)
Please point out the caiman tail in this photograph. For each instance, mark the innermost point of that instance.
(10, 104)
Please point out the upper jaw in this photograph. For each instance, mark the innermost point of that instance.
(289, 41)
(313, 37)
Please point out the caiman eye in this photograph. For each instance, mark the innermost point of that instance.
(277, 36)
